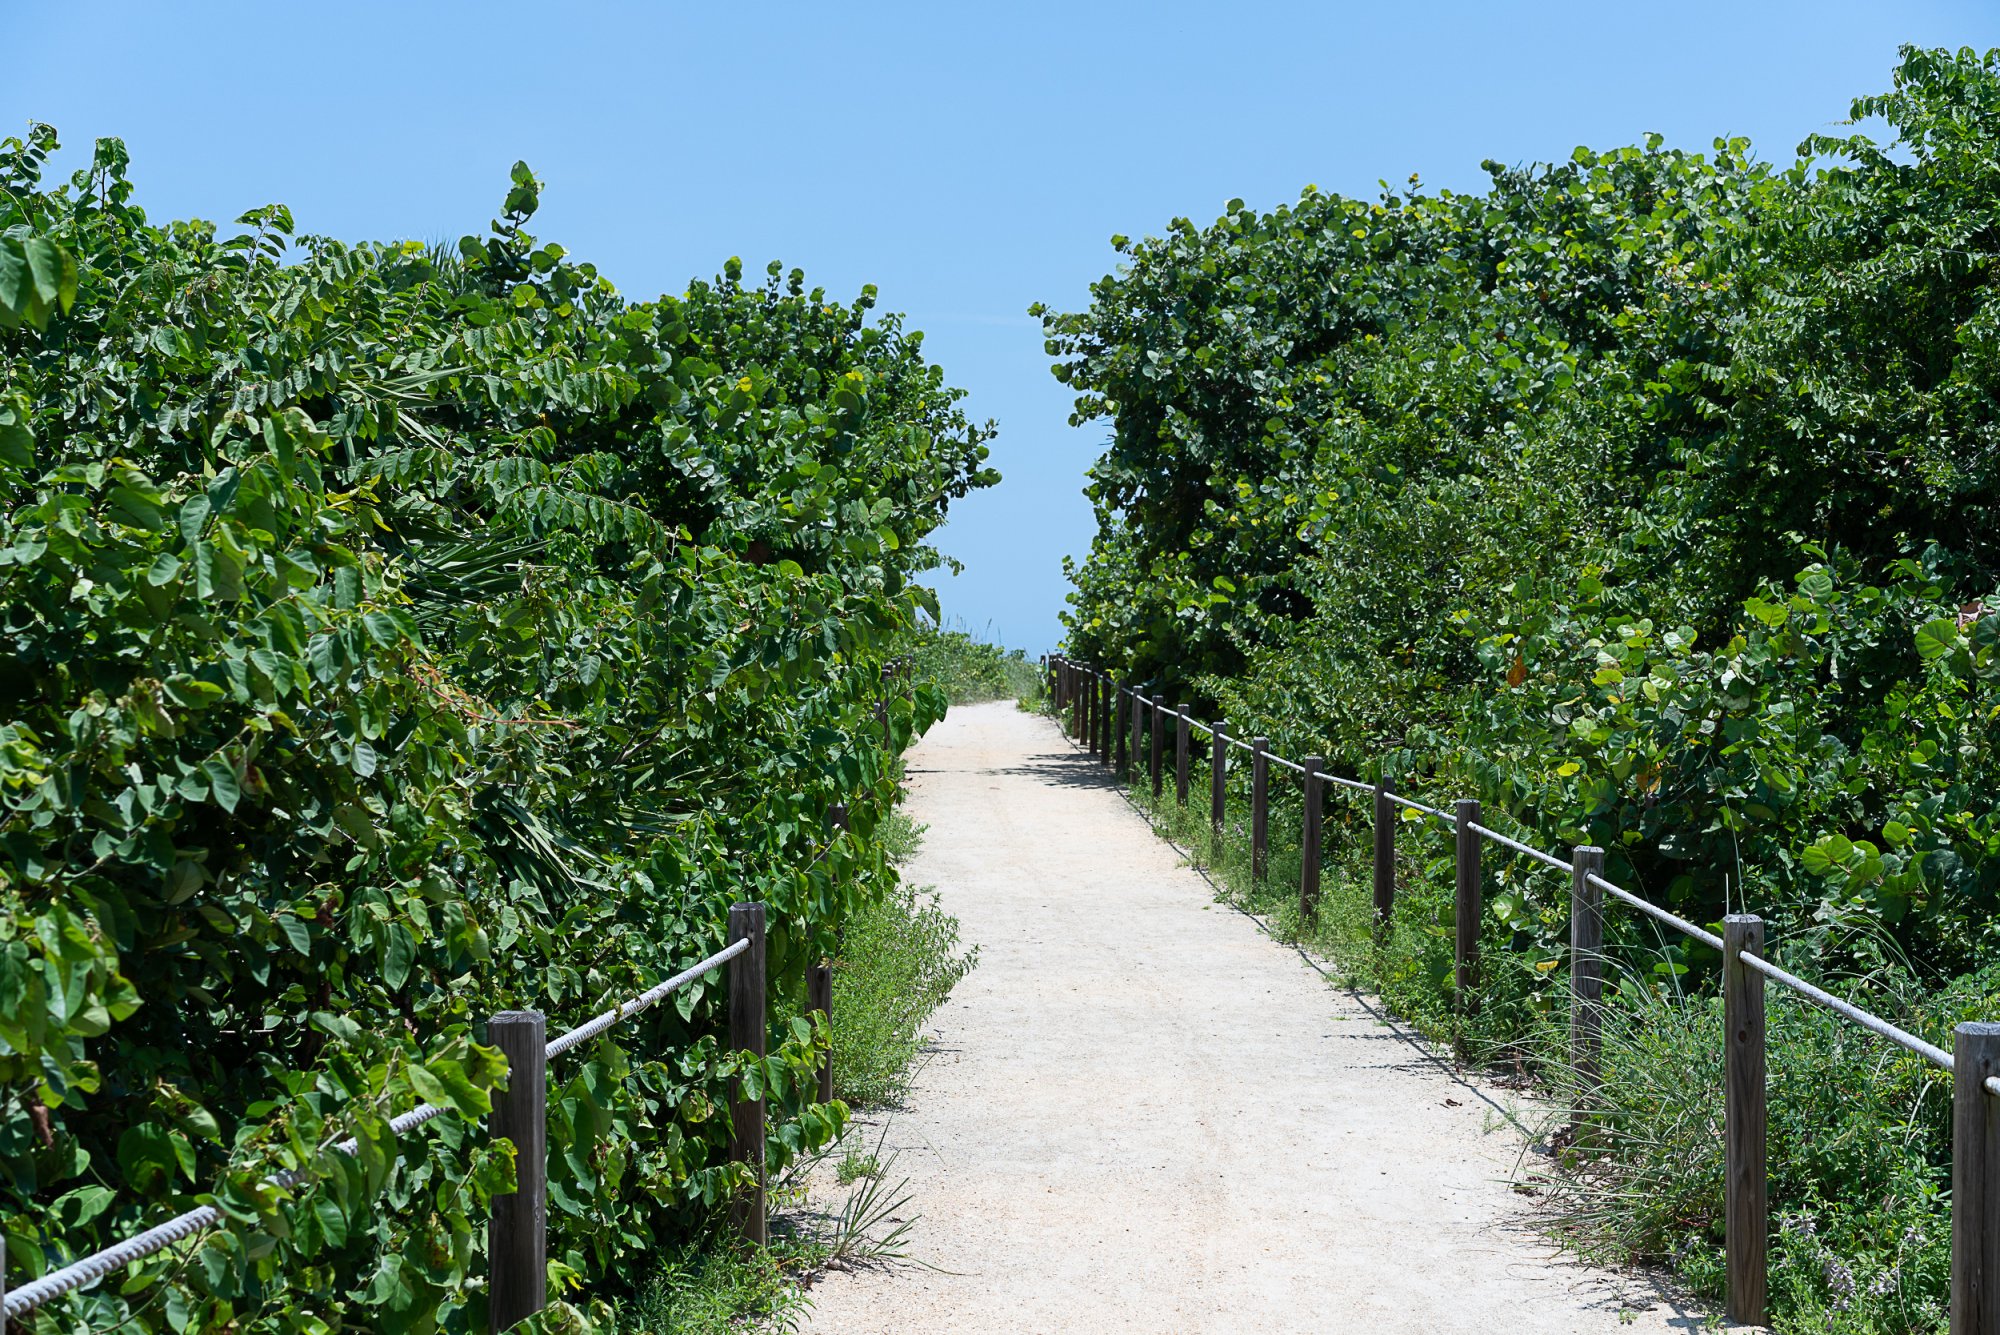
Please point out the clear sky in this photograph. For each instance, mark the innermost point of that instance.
(969, 159)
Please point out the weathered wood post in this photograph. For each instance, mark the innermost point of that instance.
(1181, 726)
(1121, 756)
(1975, 1182)
(1093, 708)
(1138, 737)
(517, 1256)
(1159, 751)
(1385, 855)
(819, 997)
(1260, 807)
(1586, 967)
(1470, 904)
(747, 1034)
(1309, 840)
(1218, 786)
(1746, 1187)
(1100, 689)
(1107, 713)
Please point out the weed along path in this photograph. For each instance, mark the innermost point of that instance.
(1142, 1114)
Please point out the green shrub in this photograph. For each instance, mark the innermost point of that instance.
(392, 637)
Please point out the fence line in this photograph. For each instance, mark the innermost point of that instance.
(89, 1269)
(1975, 1061)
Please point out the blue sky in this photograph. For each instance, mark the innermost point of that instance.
(967, 159)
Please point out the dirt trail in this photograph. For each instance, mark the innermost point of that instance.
(1144, 1115)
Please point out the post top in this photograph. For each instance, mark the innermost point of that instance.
(1978, 1029)
(1741, 917)
(505, 1018)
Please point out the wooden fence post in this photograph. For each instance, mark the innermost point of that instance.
(1159, 751)
(1746, 1188)
(517, 1234)
(1385, 855)
(747, 1034)
(1093, 710)
(1470, 905)
(819, 997)
(1121, 758)
(1099, 712)
(1181, 753)
(1138, 737)
(1586, 967)
(1218, 788)
(1107, 711)
(1260, 807)
(1309, 841)
(1975, 1182)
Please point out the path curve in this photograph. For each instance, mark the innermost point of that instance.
(1144, 1115)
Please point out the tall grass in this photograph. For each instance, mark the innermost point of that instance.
(1859, 1143)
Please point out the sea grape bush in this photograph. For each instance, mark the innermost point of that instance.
(393, 635)
(1646, 496)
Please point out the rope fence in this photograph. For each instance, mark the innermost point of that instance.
(1096, 709)
(88, 1270)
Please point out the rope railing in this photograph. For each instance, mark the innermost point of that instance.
(88, 1270)
(1874, 1024)
(1654, 911)
(1745, 970)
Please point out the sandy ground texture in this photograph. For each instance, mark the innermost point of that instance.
(1142, 1114)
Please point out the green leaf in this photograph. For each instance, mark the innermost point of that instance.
(1936, 638)
(398, 956)
(222, 782)
(163, 570)
(332, 1222)
(387, 628)
(297, 932)
(17, 442)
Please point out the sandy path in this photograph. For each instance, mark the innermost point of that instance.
(1144, 1115)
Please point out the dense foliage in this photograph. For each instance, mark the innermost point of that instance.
(1648, 498)
(966, 668)
(392, 636)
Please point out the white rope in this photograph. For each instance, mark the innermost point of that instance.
(1520, 847)
(1874, 1024)
(1709, 939)
(591, 1028)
